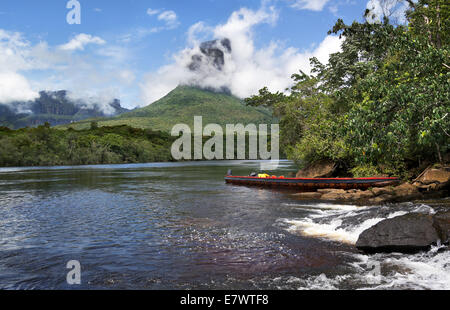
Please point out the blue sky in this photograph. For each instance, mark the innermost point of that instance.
(134, 49)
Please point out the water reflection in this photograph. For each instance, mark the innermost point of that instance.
(166, 226)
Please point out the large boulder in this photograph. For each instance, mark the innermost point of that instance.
(442, 225)
(407, 234)
(406, 189)
(378, 191)
(321, 169)
(434, 176)
(406, 192)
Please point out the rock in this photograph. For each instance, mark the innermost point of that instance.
(212, 53)
(407, 234)
(338, 194)
(406, 191)
(432, 187)
(443, 187)
(384, 193)
(321, 169)
(362, 195)
(442, 225)
(377, 191)
(333, 196)
(381, 199)
(331, 190)
(346, 196)
(434, 175)
(425, 188)
(308, 195)
(379, 195)
(350, 195)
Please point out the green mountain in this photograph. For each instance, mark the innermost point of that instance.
(181, 105)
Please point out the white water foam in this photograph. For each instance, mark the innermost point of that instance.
(326, 206)
(327, 220)
(426, 270)
(328, 231)
(424, 209)
(320, 282)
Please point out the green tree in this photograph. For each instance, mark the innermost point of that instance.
(94, 125)
(382, 103)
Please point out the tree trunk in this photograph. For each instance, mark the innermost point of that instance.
(439, 153)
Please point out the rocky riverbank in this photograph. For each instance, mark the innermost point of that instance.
(409, 233)
(432, 183)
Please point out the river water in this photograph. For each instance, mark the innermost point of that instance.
(179, 226)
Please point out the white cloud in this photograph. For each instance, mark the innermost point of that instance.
(170, 18)
(116, 54)
(92, 99)
(152, 12)
(334, 9)
(13, 51)
(127, 76)
(15, 57)
(15, 87)
(393, 9)
(247, 68)
(80, 41)
(26, 69)
(313, 5)
(199, 32)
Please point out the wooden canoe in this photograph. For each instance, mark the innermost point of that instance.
(312, 184)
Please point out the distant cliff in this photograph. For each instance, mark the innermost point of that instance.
(55, 108)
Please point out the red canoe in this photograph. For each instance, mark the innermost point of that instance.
(312, 184)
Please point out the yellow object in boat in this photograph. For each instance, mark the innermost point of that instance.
(265, 176)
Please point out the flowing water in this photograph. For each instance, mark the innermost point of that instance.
(179, 226)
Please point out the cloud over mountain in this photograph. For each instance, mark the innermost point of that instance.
(238, 65)
(90, 74)
(226, 56)
(14, 87)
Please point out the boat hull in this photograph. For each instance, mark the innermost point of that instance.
(313, 184)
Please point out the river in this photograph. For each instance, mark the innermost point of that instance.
(179, 226)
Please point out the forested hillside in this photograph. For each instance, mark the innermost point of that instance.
(382, 104)
(45, 146)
